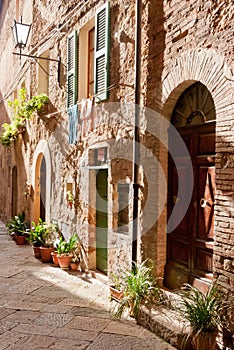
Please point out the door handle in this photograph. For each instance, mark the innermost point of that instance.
(205, 202)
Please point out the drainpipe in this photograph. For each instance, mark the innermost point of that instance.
(136, 140)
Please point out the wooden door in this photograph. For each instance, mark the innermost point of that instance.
(190, 244)
(101, 219)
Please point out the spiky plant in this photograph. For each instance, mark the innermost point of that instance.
(204, 311)
(139, 288)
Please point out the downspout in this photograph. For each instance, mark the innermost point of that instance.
(136, 141)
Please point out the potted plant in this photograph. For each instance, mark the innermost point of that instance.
(17, 227)
(20, 124)
(139, 287)
(65, 251)
(205, 312)
(76, 256)
(47, 235)
(23, 109)
(35, 237)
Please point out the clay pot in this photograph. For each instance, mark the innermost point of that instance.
(115, 293)
(20, 240)
(64, 261)
(55, 258)
(37, 252)
(204, 341)
(74, 266)
(46, 254)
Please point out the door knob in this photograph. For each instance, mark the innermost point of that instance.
(205, 202)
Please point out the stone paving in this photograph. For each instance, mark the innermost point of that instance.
(43, 307)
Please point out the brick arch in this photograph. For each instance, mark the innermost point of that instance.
(203, 65)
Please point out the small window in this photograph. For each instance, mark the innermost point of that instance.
(100, 156)
(123, 207)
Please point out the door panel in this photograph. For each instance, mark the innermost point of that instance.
(101, 220)
(190, 244)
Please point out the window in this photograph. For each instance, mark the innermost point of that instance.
(123, 207)
(88, 59)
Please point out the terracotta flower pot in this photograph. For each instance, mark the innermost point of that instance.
(74, 266)
(115, 293)
(37, 252)
(20, 240)
(204, 341)
(46, 254)
(64, 261)
(55, 258)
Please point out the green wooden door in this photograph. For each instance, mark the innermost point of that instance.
(101, 220)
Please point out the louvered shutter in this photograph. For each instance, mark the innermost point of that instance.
(102, 34)
(72, 69)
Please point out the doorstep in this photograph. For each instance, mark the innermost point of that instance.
(166, 324)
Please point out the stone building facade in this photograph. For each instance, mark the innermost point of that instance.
(185, 200)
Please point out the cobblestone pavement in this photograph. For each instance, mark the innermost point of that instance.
(44, 307)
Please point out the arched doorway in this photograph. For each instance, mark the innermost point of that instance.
(41, 180)
(40, 189)
(190, 244)
(43, 189)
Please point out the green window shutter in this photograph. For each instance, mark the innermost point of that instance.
(102, 42)
(72, 69)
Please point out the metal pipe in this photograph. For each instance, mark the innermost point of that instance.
(136, 141)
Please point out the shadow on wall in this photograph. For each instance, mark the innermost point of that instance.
(156, 36)
(13, 174)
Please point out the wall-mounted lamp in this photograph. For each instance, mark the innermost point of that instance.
(20, 34)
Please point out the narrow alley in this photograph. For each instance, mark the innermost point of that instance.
(44, 307)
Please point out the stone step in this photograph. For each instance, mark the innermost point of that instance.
(166, 324)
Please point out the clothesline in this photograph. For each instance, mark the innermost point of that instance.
(79, 103)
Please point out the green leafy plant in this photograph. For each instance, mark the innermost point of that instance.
(18, 225)
(76, 252)
(139, 287)
(9, 134)
(23, 109)
(204, 311)
(67, 247)
(43, 234)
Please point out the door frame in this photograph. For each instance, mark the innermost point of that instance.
(106, 248)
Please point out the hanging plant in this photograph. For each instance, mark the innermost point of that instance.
(9, 134)
(23, 109)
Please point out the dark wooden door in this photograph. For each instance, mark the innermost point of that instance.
(190, 244)
(101, 219)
